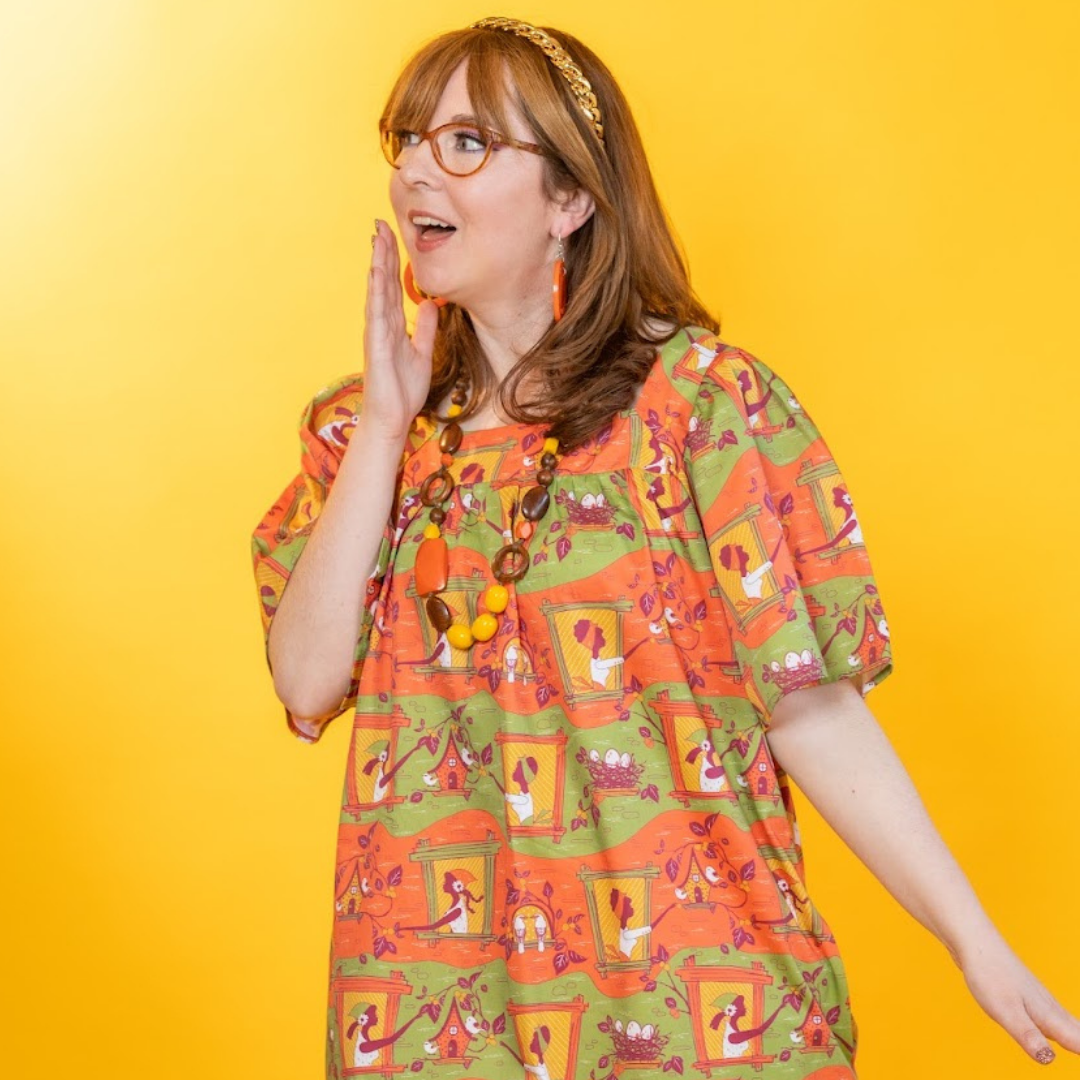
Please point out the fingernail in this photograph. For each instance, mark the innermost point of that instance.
(374, 237)
(1045, 1056)
(376, 226)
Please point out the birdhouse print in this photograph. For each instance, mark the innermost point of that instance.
(373, 761)
(366, 1011)
(534, 783)
(549, 1034)
(448, 776)
(815, 1033)
(693, 889)
(450, 1046)
(581, 811)
(589, 647)
(760, 774)
(873, 639)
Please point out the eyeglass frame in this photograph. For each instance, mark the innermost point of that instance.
(495, 138)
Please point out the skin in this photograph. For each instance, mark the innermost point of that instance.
(823, 733)
(497, 266)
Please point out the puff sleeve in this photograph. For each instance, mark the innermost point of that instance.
(326, 424)
(785, 544)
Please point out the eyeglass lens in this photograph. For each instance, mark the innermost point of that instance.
(459, 148)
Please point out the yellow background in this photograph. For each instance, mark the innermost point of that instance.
(879, 198)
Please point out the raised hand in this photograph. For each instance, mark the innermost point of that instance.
(397, 368)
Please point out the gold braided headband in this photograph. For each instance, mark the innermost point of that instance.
(581, 87)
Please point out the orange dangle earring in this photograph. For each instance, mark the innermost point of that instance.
(558, 288)
(415, 293)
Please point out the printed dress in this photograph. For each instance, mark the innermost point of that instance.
(568, 852)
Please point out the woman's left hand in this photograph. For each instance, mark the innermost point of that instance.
(1011, 995)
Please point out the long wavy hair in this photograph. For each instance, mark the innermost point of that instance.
(629, 289)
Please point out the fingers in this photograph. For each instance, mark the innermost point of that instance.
(1053, 1021)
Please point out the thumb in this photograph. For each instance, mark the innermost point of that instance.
(427, 322)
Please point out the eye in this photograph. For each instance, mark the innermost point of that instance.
(470, 140)
(406, 138)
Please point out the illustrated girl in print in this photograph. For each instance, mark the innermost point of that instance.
(623, 907)
(367, 1050)
(735, 1041)
(654, 492)
(379, 752)
(736, 557)
(851, 530)
(755, 410)
(525, 772)
(340, 428)
(456, 887)
(540, 1041)
(592, 637)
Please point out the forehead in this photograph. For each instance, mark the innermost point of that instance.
(478, 86)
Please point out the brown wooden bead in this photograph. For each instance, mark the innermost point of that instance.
(545, 476)
(548, 461)
(439, 614)
(450, 439)
(432, 567)
(535, 504)
(438, 515)
(459, 397)
(518, 559)
(442, 482)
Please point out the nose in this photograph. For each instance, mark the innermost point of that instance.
(418, 165)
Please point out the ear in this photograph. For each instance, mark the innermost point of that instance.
(572, 210)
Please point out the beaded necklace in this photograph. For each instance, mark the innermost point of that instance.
(511, 562)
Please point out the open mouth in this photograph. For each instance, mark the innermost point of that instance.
(432, 227)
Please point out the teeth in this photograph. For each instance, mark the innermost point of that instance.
(420, 219)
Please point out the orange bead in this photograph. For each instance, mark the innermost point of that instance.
(524, 530)
(446, 459)
(432, 567)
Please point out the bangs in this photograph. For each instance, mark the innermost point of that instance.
(493, 60)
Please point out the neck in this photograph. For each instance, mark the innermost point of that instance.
(506, 332)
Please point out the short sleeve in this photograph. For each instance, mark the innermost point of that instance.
(785, 543)
(326, 425)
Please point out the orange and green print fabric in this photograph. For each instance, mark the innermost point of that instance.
(568, 851)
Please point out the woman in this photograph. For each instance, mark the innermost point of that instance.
(613, 567)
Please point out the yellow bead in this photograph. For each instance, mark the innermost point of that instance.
(432, 531)
(454, 410)
(484, 627)
(496, 598)
(551, 446)
(459, 636)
